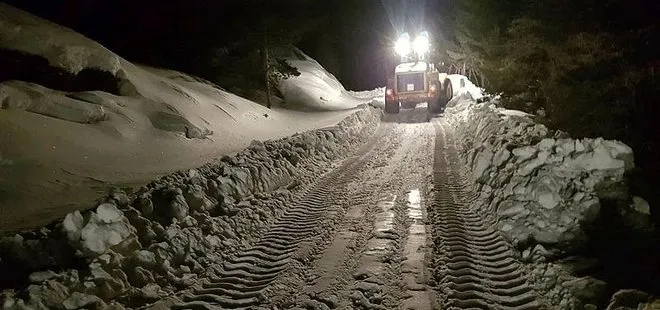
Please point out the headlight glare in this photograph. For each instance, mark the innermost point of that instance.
(402, 45)
(421, 43)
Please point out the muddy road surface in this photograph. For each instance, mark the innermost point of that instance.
(391, 227)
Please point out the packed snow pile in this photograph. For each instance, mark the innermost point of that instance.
(317, 89)
(141, 247)
(74, 115)
(462, 86)
(542, 189)
(377, 96)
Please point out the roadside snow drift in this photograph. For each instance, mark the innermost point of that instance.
(544, 191)
(318, 89)
(377, 96)
(141, 248)
(61, 145)
(464, 87)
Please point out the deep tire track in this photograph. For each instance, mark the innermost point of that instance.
(356, 258)
(241, 279)
(475, 268)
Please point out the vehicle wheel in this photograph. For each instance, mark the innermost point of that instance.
(435, 105)
(449, 92)
(392, 107)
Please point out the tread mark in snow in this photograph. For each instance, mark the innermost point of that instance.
(474, 267)
(241, 280)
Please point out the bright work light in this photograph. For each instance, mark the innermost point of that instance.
(402, 46)
(421, 43)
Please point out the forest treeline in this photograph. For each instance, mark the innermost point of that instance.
(590, 68)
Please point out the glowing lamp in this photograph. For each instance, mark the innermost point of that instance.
(421, 44)
(402, 46)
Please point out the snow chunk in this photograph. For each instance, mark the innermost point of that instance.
(546, 144)
(640, 205)
(79, 300)
(107, 227)
(108, 213)
(482, 163)
(620, 151)
(72, 225)
(524, 152)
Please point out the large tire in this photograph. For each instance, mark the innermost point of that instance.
(392, 107)
(434, 106)
(448, 92)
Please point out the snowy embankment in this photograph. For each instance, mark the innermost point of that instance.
(76, 117)
(544, 190)
(377, 96)
(135, 123)
(143, 247)
(318, 89)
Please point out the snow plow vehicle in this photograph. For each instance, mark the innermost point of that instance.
(414, 83)
(417, 81)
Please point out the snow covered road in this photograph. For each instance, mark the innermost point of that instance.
(359, 239)
(314, 204)
(472, 263)
(392, 219)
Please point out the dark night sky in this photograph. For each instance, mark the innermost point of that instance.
(354, 43)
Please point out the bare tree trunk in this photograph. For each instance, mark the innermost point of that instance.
(266, 65)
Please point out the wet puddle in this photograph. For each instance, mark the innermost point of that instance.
(414, 254)
(382, 241)
(384, 233)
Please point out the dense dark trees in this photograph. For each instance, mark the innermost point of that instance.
(591, 67)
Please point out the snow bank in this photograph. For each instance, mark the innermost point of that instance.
(543, 190)
(142, 247)
(317, 89)
(377, 96)
(462, 86)
(153, 121)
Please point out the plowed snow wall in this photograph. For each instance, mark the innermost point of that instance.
(137, 248)
(538, 187)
